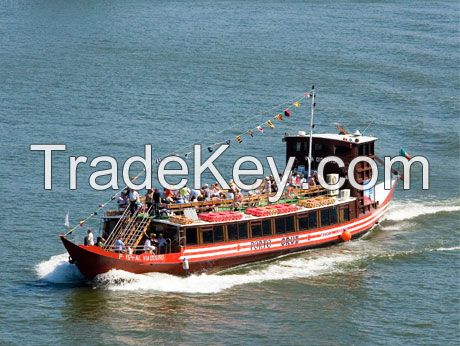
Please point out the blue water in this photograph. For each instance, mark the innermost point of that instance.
(105, 78)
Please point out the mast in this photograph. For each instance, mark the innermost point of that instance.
(313, 104)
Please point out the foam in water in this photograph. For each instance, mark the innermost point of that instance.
(282, 269)
(399, 211)
(58, 270)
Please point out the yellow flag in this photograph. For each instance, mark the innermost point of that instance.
(297, 104)
(270, 124)
(238, 139)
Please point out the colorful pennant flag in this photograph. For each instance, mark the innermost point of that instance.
(270, 124)
(287, 112)
(297, 104)
(260, 129)
(250, 133)
(82, 222)
(228, 142)
(307, 95)
(279, 117)
(238, 139)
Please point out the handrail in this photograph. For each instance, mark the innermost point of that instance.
(117, 226)
(119, 232)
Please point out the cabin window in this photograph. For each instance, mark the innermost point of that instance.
(312, 220)
(284, 225)
(325, 217)
(307, 221)
(237, 231)
(218, 233)
(298, 147)
(280, 226)
(243, 230)
(318, 147)
(191, 236)
(256, 229)
(303, 222)
(207, 237)
(334, 218)
(346, 214)
(329, 217)
(290, 224)
(266, 227)
(232, 231)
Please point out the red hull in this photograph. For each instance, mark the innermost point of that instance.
(93, 260)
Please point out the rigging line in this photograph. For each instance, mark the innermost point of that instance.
(102, 205)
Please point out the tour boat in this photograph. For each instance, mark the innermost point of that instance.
(210, 236)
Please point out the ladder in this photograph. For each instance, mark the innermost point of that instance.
(124, 218)
(138, 229)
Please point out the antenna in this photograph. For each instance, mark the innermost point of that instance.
(313, 105)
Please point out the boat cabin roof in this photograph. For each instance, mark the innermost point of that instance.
(332, 136)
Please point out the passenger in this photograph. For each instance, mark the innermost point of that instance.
(184, 193)
(154, 240)
(134, 201)
(162, 243)
(89, 239)
(273, 182)
(168, 196)
(267, 186)
(195, 195)
(119, 246)
(207, 192)
(122, 200)
(100, 242)
(156, 198)
(215, 191)
(149, 198)
(148, 247)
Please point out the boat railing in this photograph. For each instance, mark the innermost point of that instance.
(140, 249)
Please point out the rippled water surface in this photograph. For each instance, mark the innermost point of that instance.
(107, 77)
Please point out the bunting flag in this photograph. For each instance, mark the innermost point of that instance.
(307, 95)
(82, 222)
(279, 117)
(287, 112)
(101, 205)
(270, 124)
(260, 129)
(238, 139)
(405, 154)
(210, 149)
(297, 104)
(228, 142)
(250, 133)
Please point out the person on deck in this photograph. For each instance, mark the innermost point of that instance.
(162, 243)
(100, 242)
(149, 198)
(148, 247)
(89, 239)
(156, 198)
(134, 201)
(119, 246)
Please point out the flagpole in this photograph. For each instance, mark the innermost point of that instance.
(311, 129)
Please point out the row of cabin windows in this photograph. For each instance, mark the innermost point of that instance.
(366, 149)
(261, 228)
(302, 147)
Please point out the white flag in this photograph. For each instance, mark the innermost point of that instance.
(67, 222)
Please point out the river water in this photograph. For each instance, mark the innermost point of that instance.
(105, 78)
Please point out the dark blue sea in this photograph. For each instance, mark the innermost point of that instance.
(107, 77)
